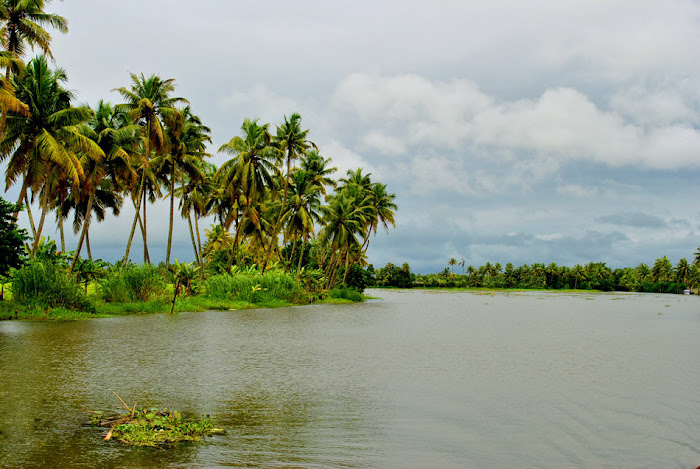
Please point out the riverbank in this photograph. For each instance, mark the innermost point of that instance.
(13, 310)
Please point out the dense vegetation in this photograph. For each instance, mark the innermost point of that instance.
(285, 230)
(662, 277)
(275, 203)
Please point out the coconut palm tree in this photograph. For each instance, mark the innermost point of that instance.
(251, 171)
(23, 27)
(292, 141)
(318, 166)
(104, 177)
(303, 210)
(682, 271)
(186, 143)
(345, 219)
(149, 103)
(49, 140)
(194, 195)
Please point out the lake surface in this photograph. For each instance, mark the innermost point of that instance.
(415, 380)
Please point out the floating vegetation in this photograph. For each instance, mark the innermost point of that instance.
(152, 427)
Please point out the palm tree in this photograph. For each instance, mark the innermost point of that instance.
(194, 196)
(682, 271)
(186, 137)
(317, 166)
(345, 219)
(578, 273)
(49, 140)
(23, 26)
(291, 140)
(662, 271)
(304, 210)
(148, 103)
(251, 171)
(104, 177)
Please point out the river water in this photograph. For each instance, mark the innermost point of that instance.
(415, 380)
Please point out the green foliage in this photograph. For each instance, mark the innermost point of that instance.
(132, 283)
(185, 275)
(252, 287)
(346, 294)
(11, 239)
(151, 427)
(48, 285)
(359, 279)
(393, 276)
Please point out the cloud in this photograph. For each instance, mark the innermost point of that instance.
(402, 114)
(634, 219)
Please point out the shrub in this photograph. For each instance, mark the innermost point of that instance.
(346, 293)
(46, 284)
(252, 287)
(133, 283)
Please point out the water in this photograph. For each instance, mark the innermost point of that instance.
(415, 380)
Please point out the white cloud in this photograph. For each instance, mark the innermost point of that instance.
(578, 191)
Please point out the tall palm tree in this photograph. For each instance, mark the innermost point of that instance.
(345, 219)
(23, 27)
(252, 170)
(194, 195)
(293, 142)
(48, 140)
(186, 142)
(103, 175)
(318, 166)
(682, 271)
(149, 103)
(304, 210)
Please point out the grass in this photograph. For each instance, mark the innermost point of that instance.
(140, 290)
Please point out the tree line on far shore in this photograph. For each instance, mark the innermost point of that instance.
(661, 277)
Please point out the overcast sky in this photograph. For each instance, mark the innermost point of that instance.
(510, 131)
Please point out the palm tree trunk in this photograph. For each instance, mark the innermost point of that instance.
(137, 206)
(301, 255)
(347, 266)
(194, 243)
(294, 248)
(146, 257)
(87, 244)
(172, 210)
(199, 238)
(60, 229)
(360, 252)
(23, 196)
(86, 224)
(333, 262)
(44, 210)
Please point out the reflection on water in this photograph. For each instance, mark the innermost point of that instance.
(417, 379)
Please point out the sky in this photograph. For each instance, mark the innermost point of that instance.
(510, 131)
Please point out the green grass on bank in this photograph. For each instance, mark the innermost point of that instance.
(11, 309)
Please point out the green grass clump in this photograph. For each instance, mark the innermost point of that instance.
(132, 283)
(256, 288)
(346, 294)
(45, 284)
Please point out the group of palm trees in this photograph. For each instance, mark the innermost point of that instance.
(79, 162)
(661, 276)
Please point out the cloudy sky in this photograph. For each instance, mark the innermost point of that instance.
(510, 131)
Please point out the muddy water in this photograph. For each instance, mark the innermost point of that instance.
(416, 379)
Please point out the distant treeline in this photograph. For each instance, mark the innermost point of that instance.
(662, 277)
